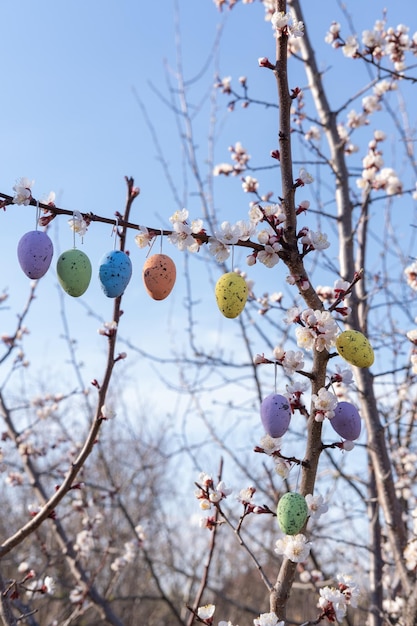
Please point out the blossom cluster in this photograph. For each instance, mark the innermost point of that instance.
(335, 296)
(208, 496)
(272, 446)
(31, 584)
(182, 235)
(317, 329)
(380, 42)
(374, 175)
(334, 601)
(240, 158)
(206, 615)
(130, 551)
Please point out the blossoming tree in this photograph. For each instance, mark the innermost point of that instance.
(340, 363)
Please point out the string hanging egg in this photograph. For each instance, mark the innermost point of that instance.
(159, 274)
(292, 513)
(346, 421)
(231, 293)
(275, 414)
(115, 272)
(34, 252)
(355, 348)
(74, 272)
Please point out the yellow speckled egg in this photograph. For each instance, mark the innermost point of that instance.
(355, 348)
(159, 274)
(292, 513)
(231, 294)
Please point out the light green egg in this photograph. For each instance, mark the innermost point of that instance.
(292, 513)
(74, 272)
(355, 348)
(231, 294)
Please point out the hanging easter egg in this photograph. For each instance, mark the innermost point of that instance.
(355, 348)
(114, 273)
(292, 513)
(34, 252)
(275, 414)
(159, 274)
(346, 421)
(74, 272)
(231, 294)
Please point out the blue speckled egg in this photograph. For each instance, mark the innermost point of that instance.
(292, 513)
(114, 273)
(346, 421)
(275, 414)
(74, 272)
(34, 252)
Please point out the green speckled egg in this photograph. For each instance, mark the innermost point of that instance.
(355, 348)
(292, 512)
(74, 272)
(231, 294)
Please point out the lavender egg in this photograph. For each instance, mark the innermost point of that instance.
(346, 421)
(34, 252)
(275, 414)
(115, 272)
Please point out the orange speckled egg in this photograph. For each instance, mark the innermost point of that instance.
(159, 274)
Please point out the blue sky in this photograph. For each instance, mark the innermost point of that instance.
(70, 120)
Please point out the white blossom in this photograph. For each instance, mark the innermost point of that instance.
(330, 596)
(267, 619)
(324, 403)
(206, 611)
(295, 547)
(316, 505)
(305, 177)
(228, 234)
(22, 189)
(219, 250)
(268, 256)
(351, 46)
(143, 238)
(250, 184)
(255, 214)
(411, 275)
(78, 224)
(410, 555)
(270, 444)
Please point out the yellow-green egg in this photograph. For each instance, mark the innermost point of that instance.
(231, 294)
(355, 348)
(292, 513)
(74, 272)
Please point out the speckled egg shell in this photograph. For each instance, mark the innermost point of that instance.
(292, 513)
(231, 294)
(355, 348)
(74, 272)
(275, 414)
(34, 252)
(159, 274)
(114, 273)
(346, 421)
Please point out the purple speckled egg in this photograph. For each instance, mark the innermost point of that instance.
(34, 252)
(275, 414)
(346, 421)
